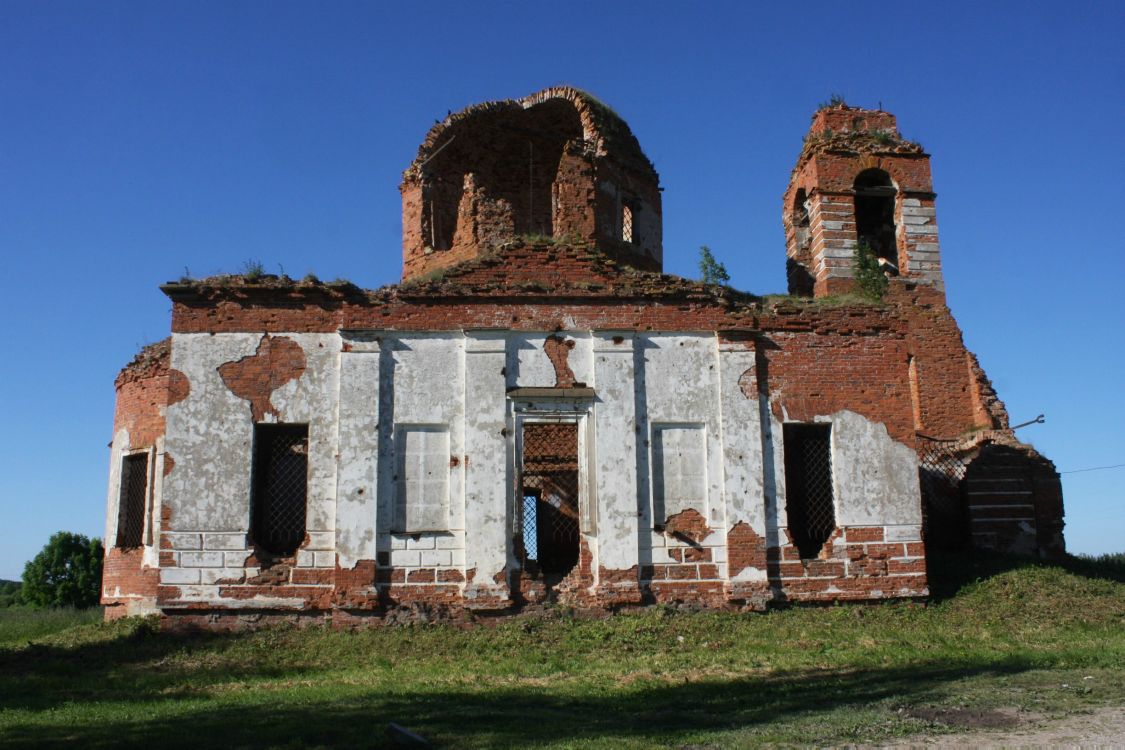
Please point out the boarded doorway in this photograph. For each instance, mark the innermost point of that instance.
(549, 499)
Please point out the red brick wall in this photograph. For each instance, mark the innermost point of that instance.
(143, 391)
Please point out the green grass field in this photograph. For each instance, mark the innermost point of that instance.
(1001, 634)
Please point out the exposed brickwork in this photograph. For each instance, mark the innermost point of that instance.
(954, 394)
(854, 564)
(254, 378)
(746, 549)
(687, 524)
(142, 394)
(858, 362)
(1014, 501)
(558, 350)
(557, 163)
(126, 579)
(819, 207)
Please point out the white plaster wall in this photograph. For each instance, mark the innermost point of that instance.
(615, 451)
(118, 447)
(529, 367)
(488, 462)
(358, 467)
(875, 476)
(210, 436)
(422, 382)
(353, 401)
(741, 435)
(682, 387)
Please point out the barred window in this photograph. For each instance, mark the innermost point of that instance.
(279, 486)
(808, 486)
(423, 479)
(131, 503)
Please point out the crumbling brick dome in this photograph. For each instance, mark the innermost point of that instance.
(558, 164)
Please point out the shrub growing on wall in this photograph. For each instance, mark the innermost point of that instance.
(711, 271)
(870, 280)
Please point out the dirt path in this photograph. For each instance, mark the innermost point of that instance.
(1103, 727)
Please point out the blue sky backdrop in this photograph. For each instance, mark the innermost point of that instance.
(140, 139)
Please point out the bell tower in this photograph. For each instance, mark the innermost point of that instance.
(858, 180)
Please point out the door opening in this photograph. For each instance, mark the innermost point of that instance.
(549, 499)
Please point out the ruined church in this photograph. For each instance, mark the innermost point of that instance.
(536, 413)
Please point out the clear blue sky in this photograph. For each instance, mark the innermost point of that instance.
(139, 139)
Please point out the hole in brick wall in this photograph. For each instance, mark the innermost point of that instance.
(800, 218)
(800, 280)
(808, 486)
(549, 511)
(513, 157)
(279, 485)
(131, 505)
(875, 215)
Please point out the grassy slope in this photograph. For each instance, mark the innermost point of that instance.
(1038, 638)
(18, 624)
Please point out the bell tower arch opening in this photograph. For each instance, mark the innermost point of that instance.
(875, 198)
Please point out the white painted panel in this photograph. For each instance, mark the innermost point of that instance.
(423, 478)
(679, 470)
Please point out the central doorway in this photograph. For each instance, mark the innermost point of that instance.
(549, 499)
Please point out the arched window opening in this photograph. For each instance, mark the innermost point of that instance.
(875, 216)
(629, 227)
(800, 219)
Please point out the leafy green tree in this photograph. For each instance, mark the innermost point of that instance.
(66, 573)
(9, 593)
(869, 277)
(711, 271)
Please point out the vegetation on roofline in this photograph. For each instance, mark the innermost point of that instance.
(834, 100)
(711, 271)
(252, 273)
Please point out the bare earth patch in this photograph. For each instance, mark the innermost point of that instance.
(1101, 727)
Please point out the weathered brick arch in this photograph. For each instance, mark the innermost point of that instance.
(558, 163)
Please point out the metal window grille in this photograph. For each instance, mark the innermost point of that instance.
(280, 482)
(550, 476)
(941, 471)
(530, 526)
(808, 486)
(131, 505)
(626, 223)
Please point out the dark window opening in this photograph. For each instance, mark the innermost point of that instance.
(549, 509)
(279, 484)
(875, 216)
(131, 505)
(808, 486)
